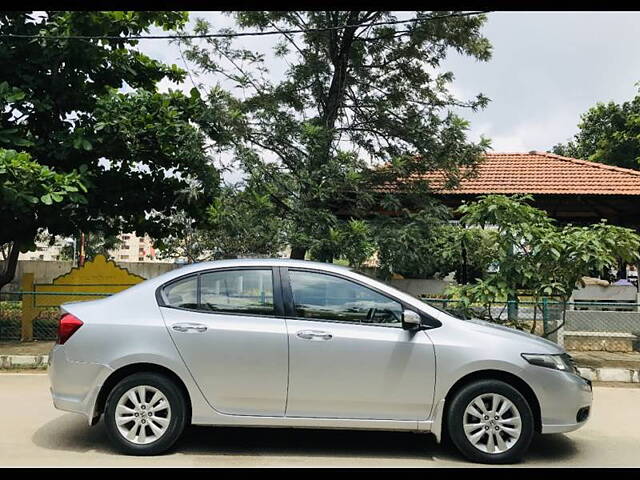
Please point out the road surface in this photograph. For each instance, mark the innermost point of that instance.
(33, 433)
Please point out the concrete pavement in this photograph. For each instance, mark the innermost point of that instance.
(33, 433)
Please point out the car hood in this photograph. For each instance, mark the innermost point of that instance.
(536, 344)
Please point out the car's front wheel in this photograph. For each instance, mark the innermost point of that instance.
(145, 414)
(490, 422)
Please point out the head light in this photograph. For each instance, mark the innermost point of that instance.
(557, 362)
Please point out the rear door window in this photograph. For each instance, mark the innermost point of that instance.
(237, 291)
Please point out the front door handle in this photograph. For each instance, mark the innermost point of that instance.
(189, 327)
(314, 335)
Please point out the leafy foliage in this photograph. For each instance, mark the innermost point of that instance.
(405, 242)
(95, 243)
(154, 153)
(426, 246)
(351, 101)
(239, 222)
(28, 189)
(351, 241)
(609, 133)
(536, 257)
(136, 151)
(470, 252)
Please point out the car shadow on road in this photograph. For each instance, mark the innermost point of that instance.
(302, 442)
(70, 432)
(552, 448)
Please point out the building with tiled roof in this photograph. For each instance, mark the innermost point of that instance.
(567, 188)
(544, 173)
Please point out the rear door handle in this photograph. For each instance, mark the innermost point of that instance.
(314, 335)
(189, 327)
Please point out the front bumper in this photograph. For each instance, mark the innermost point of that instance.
(75, 385)
(564, 398)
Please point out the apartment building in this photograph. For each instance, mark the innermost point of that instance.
(133, 248)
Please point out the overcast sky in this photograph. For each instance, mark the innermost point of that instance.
(547, 69)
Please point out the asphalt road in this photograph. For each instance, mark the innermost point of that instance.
(33, 433)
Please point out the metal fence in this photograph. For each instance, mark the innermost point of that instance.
(45, 324)
(600, 326)
(579, 325)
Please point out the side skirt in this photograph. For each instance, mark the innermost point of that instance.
(302, 422)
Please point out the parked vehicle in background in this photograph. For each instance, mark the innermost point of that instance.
(300, 344)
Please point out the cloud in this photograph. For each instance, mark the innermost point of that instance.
(535, 133)
(547, 69)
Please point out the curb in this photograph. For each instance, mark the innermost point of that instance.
(604, 374)
(607, 374)
(23, 361)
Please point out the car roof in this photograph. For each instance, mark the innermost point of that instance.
(281, 262)
(258, 262)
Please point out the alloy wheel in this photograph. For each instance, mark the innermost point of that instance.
(143, 414)
(492, 423)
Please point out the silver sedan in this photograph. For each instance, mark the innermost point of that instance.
(300, 344)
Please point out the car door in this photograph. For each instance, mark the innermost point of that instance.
(229, 329)
(349, 356)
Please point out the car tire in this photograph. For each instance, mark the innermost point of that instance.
(499, 433)
(149, 425)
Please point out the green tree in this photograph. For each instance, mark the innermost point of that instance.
(405, 242)
(351, 241)
(240, 222)
(469, 252)
(135, 150)
(609, 133)
(95, 243)
(25, 185)
(536, 257)
(427, 246)
(356, 96)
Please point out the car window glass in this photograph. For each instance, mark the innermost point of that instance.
(321, 296)
(237, 291)
(183, 293)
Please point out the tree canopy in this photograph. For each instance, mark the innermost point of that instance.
(537, 258)
(134, 151)
(355, 97)
(240, 221)
(609, 133)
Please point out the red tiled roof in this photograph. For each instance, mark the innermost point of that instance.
(542, 173)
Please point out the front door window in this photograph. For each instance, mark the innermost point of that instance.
(327, 297)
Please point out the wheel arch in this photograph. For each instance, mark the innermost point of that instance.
(508, 378)
(126, 370)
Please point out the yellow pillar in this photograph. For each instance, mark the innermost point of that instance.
(29, 310)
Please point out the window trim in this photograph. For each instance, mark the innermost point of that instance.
(290, 311)
(278, 309)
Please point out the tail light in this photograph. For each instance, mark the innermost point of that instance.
(67, 326)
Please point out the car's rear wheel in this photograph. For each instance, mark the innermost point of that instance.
(489, 421)
(145, 414)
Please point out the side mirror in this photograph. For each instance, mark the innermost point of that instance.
(411, 320)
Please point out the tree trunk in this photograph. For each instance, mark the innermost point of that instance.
(327, 258)
(622, 270)
(81, 257)
(465, 264)
(298, 253)
(9, 270)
